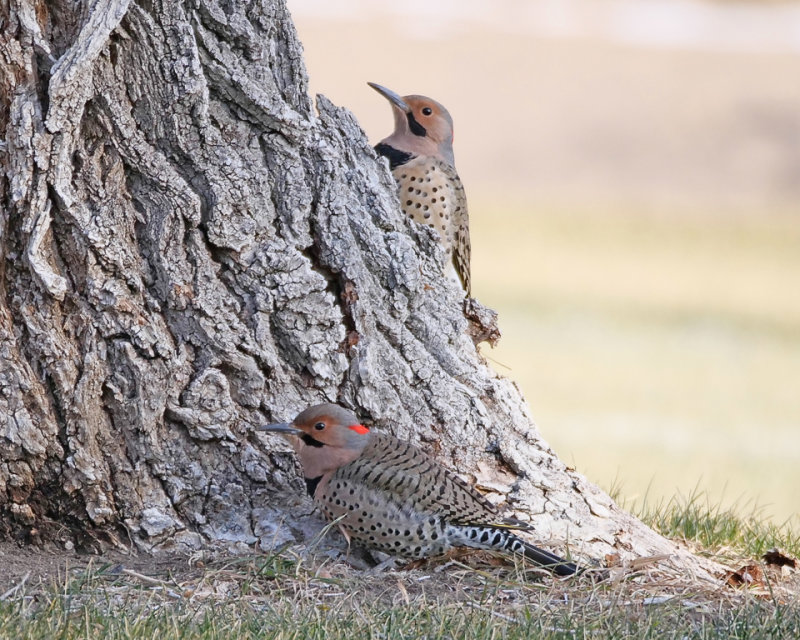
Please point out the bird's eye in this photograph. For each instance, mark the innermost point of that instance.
(426, 111)
(319, 426)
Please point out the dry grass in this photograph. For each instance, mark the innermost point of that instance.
(291, 595)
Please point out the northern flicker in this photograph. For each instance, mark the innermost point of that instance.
(392, 497)
(420, 153)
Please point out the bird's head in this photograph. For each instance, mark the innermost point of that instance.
(330, 436)
(422, 126)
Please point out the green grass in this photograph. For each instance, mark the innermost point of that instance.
(721, 532)
(753, 621)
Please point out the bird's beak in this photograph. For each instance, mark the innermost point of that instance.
(281, 427)
(391, 96)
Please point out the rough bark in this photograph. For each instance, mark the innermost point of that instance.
(189, 251)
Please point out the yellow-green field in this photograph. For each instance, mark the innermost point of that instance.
(658, 353)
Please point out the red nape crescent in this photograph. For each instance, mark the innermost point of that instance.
(358, 428)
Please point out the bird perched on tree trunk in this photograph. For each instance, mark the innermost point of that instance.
(420, 153)
(387, 494)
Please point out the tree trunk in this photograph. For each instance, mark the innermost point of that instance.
(190, 251)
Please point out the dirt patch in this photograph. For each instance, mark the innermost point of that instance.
(47, 566)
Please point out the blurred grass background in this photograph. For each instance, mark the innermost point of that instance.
(633, 173)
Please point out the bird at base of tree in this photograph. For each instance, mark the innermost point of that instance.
(389, 495)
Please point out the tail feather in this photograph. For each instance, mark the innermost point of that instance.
(501, 539)
(551, 561)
